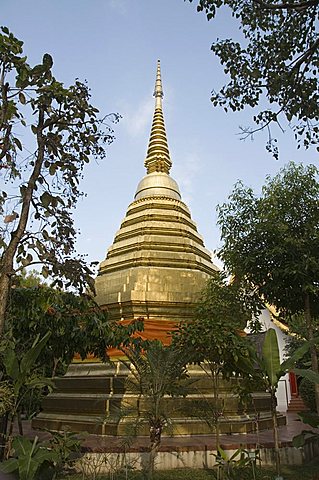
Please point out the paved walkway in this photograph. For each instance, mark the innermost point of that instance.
(264, 439)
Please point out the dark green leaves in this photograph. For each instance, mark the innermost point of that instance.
(18, 143)
(214, 335)
(274, 66)
(30, 456)
(22, 98)
(46, 199)
(47, 60)
(67, 133)
(271, 242)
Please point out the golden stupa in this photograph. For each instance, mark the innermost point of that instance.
(157, 264)
(155, 269)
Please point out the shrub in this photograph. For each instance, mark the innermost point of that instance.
(307, 392)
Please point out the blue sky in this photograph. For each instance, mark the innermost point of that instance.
(115, 44)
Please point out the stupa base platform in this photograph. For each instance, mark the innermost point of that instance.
(95, 398)
(180, 427)
(193, 451)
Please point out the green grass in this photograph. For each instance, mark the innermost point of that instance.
(294, 472)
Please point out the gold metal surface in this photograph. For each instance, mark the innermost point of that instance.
(158, 157)
(158, 263)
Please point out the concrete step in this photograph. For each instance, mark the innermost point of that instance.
(297, 404)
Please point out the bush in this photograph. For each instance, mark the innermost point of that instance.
(307, 392)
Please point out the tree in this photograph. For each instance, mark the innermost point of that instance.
(271, 243)
(214, 339)
(157, 371)
(62, 132)
(77, 325)
(274, 64)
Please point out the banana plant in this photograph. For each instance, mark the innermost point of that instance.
(272, 370)
(29, 456)
(21, 374)
(229, 466)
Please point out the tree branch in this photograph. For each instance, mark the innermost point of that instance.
(287, 6)
(308, 53)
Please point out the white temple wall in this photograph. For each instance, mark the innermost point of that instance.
(283, 393)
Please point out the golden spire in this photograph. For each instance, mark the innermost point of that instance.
(157, 157)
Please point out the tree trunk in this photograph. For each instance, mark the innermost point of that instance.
(55, 366)
(275, 431)
(20, 423)
(155, 441)
(8, 444)
(215, 377)
(7, 260)
(3, 431)
(152, 457)
(313, 350)
(4, 297)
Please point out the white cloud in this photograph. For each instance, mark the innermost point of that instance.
(136, 120)
(120, 6)
(185, 171)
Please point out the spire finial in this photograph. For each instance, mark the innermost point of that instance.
(158, 91)
(158, 158)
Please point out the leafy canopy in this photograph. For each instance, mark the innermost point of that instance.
(77, 325)
(273, 64)
(48, 133)
(271, 241)
(214, 335)
(158, 370)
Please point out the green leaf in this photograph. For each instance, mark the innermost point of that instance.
(298, 441)
(53, 168)
(18, 143)
(11, 364)
(22, 98)
(46, 199)
(309, 374)
(30, 357)
(30, 456)
(39, 382)
(270, 356)
(297, 355)
(222, 453)
(309, 418)
(22, 445)
(9, 466)
(47, 60)
(28, 467)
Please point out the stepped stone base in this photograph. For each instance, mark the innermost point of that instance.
(297, 404)
(96, 398)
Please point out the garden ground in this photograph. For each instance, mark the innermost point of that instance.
(304, 472)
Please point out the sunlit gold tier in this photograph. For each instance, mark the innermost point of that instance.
(97, 398)
(157, 264)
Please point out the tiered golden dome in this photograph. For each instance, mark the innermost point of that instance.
(158, 263)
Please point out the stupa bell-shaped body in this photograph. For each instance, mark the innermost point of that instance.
(157, 264)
